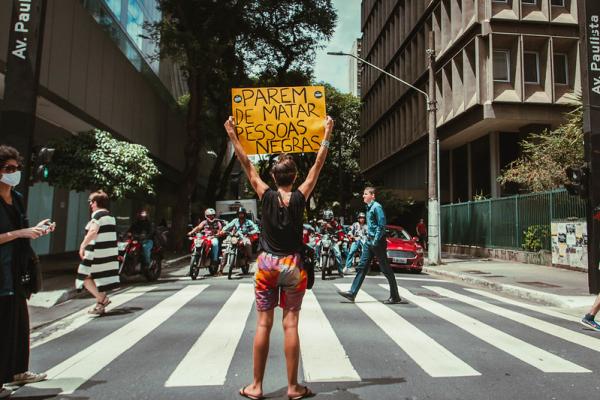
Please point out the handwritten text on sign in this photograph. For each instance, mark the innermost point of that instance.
(279, 119)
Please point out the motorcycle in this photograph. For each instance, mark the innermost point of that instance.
(131, 254)
(200, 258)
(233, 254)
(327, 259)
(357, 253)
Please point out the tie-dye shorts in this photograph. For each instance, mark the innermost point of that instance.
(279, 280)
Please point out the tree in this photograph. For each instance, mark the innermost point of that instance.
(547, 154)
(96, 160)
(219, 45)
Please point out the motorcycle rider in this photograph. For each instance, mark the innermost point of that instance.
(358, 231)
(329, 225)
(243, 225)
(142, 229)
(210, 226)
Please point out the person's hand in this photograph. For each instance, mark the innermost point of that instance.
(328, 125)
(230, 128)
(46, 226)
(30, 233)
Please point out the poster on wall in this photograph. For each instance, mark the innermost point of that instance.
(569, 243)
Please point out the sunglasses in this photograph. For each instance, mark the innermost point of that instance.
(10, 169)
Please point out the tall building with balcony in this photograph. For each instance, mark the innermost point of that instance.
(98, 71)
(503, 69)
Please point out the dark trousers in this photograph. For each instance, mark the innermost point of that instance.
(368, 252)
(14, 337)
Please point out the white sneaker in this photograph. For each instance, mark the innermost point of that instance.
(27, 377)
(346, 271)
(4, 392)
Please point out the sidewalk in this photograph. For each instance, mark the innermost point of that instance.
(547, 285)
(59, 274)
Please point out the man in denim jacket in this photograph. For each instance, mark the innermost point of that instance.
(375, 245)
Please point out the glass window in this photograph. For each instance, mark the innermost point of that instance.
(135, 22)
(529, 2)
(502, 65)
(531, 66)
(115, 7)
(561, 69)
(500, 1)
(558, 3)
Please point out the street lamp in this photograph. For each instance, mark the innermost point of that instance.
(434, 244)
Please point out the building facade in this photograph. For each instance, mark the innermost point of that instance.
(98, 72)
(354, 69)
(503, 69)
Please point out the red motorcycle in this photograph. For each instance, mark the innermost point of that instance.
(200, 258)
(131, 254)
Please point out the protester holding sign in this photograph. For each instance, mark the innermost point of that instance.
(280, 278)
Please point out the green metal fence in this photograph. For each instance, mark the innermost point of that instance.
(501, 222)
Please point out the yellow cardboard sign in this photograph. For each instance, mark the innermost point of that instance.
(279, 119)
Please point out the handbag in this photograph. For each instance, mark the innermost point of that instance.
(29, 263)
(308, 262)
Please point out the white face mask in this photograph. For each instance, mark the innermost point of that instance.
(11, 179)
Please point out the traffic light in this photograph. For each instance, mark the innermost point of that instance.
(42, 159)
(578, 181)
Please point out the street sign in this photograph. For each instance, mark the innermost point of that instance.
(25, 40)
(589, 14)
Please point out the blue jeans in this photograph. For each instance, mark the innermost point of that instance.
(368, 252)
(147, 250)
(214, 250)
(353, 249)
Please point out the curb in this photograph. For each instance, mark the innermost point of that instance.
(537, 296)
(48, 299)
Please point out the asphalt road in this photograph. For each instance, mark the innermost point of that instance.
(183, 339)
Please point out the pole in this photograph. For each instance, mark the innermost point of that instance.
(341, 186)
(25, 42)
(590, 76)
(433, 231)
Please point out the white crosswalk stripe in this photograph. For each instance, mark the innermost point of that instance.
(532, 355)
(75, 371)
(320, 347)
(208, 360)
(82, 317)
(436, 360)
(324, 356)
(535, 323)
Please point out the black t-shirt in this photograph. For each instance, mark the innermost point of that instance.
(281, 232)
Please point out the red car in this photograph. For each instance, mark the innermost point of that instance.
(403, 251)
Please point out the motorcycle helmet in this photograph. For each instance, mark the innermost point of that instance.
(327, 215)
(210, 212)
(362, 215)
(242, 210)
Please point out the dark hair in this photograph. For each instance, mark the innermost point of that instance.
(9, 153)
(371, 190)
(100, 198)
(284, 171)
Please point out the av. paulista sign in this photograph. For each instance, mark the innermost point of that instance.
(589, 14)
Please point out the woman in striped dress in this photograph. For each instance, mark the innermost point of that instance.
(99, 268)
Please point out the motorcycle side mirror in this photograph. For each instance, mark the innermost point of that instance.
(415, 239)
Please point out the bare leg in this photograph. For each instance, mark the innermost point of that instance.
(596, 307)
(292, 351)
(261, 351)
(90, 285)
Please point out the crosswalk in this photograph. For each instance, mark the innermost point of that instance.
(327, 350)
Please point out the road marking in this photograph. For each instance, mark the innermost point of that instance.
(530, 354)
(207, 362)
(82, 317)
(75, 371)
(535, 323)
(323, 356)
(410, 279)
(539, 309)
(435, 359)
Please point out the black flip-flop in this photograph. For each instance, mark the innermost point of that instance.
(307, 393)
(243, 393)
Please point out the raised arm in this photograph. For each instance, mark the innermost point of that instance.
(260, 187)
(310, 182)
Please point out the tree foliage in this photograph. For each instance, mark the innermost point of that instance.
(547, 154)
(96, 160)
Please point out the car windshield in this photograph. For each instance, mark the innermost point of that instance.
(397, 233)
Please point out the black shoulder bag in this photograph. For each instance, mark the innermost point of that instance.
(30, 271)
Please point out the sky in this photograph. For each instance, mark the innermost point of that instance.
(334, 69)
